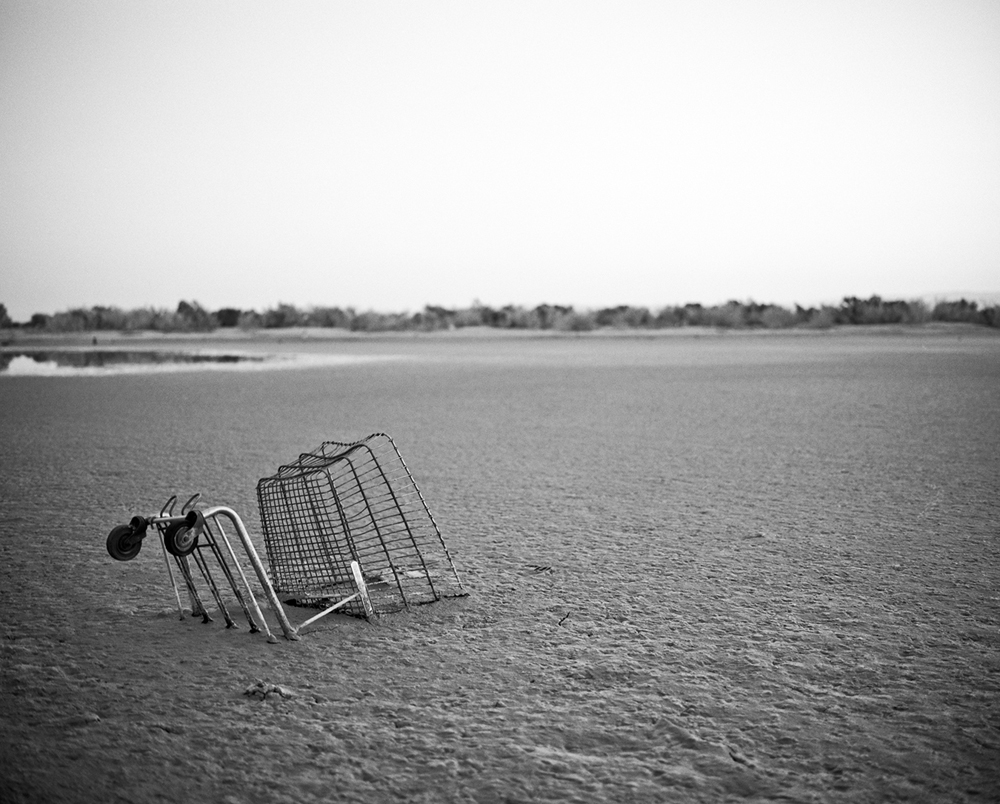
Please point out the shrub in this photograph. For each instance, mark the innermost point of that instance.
(823, 318)
(667, 317)
(471, 317)
(432, 318)
(774, 317)
(549, 316)
(332, 317)
(250, 319)
(576, 322)
(729, 316)
(876, 311)
(228, 317)
(192, 317)
(960, 310)
(371, 321)
(284, 315)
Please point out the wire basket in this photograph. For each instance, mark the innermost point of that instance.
(353, 501)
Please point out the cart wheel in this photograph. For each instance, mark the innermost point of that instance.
(180, 539)
(124, 543)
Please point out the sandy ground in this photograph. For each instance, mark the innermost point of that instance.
(700, 569)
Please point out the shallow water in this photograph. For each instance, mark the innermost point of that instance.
(772, 570)
(93, 362)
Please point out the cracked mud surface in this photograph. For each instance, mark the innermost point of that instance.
(700, 569)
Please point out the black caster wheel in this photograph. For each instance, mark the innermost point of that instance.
(124, 543)
(180, 539)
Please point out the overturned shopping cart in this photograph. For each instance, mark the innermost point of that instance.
(345, 528)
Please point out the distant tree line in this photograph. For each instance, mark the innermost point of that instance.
(192, 317)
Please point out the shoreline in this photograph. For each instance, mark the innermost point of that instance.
(17, 339)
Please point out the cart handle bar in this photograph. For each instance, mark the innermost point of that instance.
(191, 519)
(196, 519)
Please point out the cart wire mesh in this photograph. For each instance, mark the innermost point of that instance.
(353, 501)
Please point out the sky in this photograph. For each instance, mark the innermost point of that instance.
(390, 155)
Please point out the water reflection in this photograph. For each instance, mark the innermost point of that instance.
(104, 362)
(94, 361)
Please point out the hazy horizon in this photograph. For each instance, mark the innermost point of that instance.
(388, 156)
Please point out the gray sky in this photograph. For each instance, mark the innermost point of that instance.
(389, 155)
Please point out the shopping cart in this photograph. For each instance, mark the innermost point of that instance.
(345, 528)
